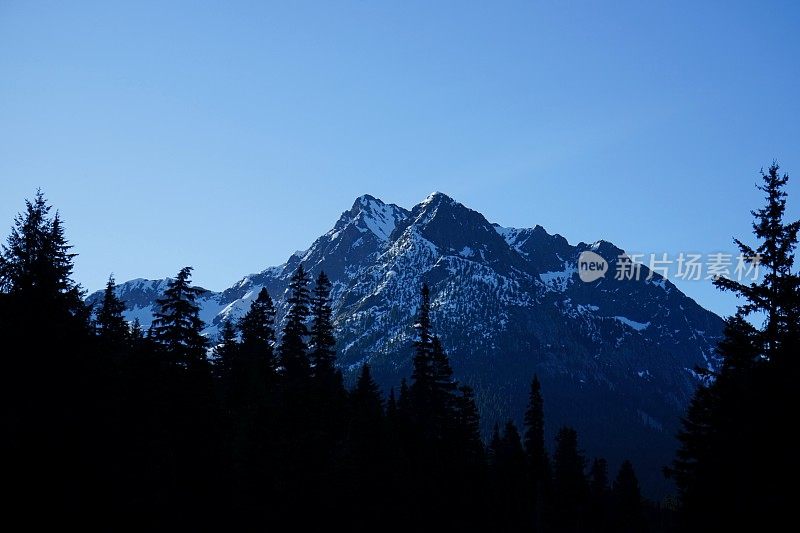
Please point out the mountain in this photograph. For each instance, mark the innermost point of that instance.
(615, 357)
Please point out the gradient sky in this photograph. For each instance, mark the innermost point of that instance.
(228, 134)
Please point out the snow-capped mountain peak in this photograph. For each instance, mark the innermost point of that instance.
(507, 303)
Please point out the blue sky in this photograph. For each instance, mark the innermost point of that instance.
(228, 134)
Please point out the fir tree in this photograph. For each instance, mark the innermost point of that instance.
(725, 476)
(538, 461)
(177, 326)
(110, 322)
(226, 350)
(467, 426)
(776, 295)
(403, 399)
(367, 400)
(627, 501)
(322, 341)
(293, 349)
(509, 477)
(422, 374)
(442, 383)
(536, 452)
(136, 334)
(36, 263)
(599, 502)
(569, 482)
(257, 328)
(391, 405)
(433, 388)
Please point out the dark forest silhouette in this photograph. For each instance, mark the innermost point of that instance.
(111, 426)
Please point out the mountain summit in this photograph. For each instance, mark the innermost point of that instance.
(615, 357)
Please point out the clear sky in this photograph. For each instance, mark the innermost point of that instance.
(225, 135)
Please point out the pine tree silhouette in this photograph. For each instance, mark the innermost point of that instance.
(110, 322)
(599, 496)
(627, 501)
(225, 352)
(367, 400)
(725, 478)
(36, 263)
(177, 326)
(257, 328)
(570, 489)
(538, 460)
(293, 348)
(322, 342)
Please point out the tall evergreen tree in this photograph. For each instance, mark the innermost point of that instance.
(257, 328)
(776, 295)
(569, 482)
(467, 426)
(725, 475)
(509, 479)
(599, 497)
(322, 341)
(422, 374)
(56, 400)
(226, 351)
(538, 461)
(367, 400)
(293, 348)
(177, 326)
(110, 322)
(536, 452)
(433, 397)
(36, 263)
(404, 398)
(136, 333)
(442, 382)
(627, 501)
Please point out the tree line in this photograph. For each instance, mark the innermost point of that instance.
(107, 419)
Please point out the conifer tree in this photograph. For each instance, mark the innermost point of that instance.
(422, 374)
(257, 328)
(776, 295)
(403, 399)
(110, 322)
(293, 349)
(391, 404)
(322, 341)
(433, 389)
(598, 477)
(225, 352)
(177, 326)
(599, 501)
(569, 482)
(36, 263)
(536, 452)
(442, 383)
(367, 400)
(54, 389)
(509, 477)
(538, 461)
(467, 425)
(627, 501)
(136, 333)
(725, 477)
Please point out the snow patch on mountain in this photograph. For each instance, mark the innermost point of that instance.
(559, 280)
(638, 326)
